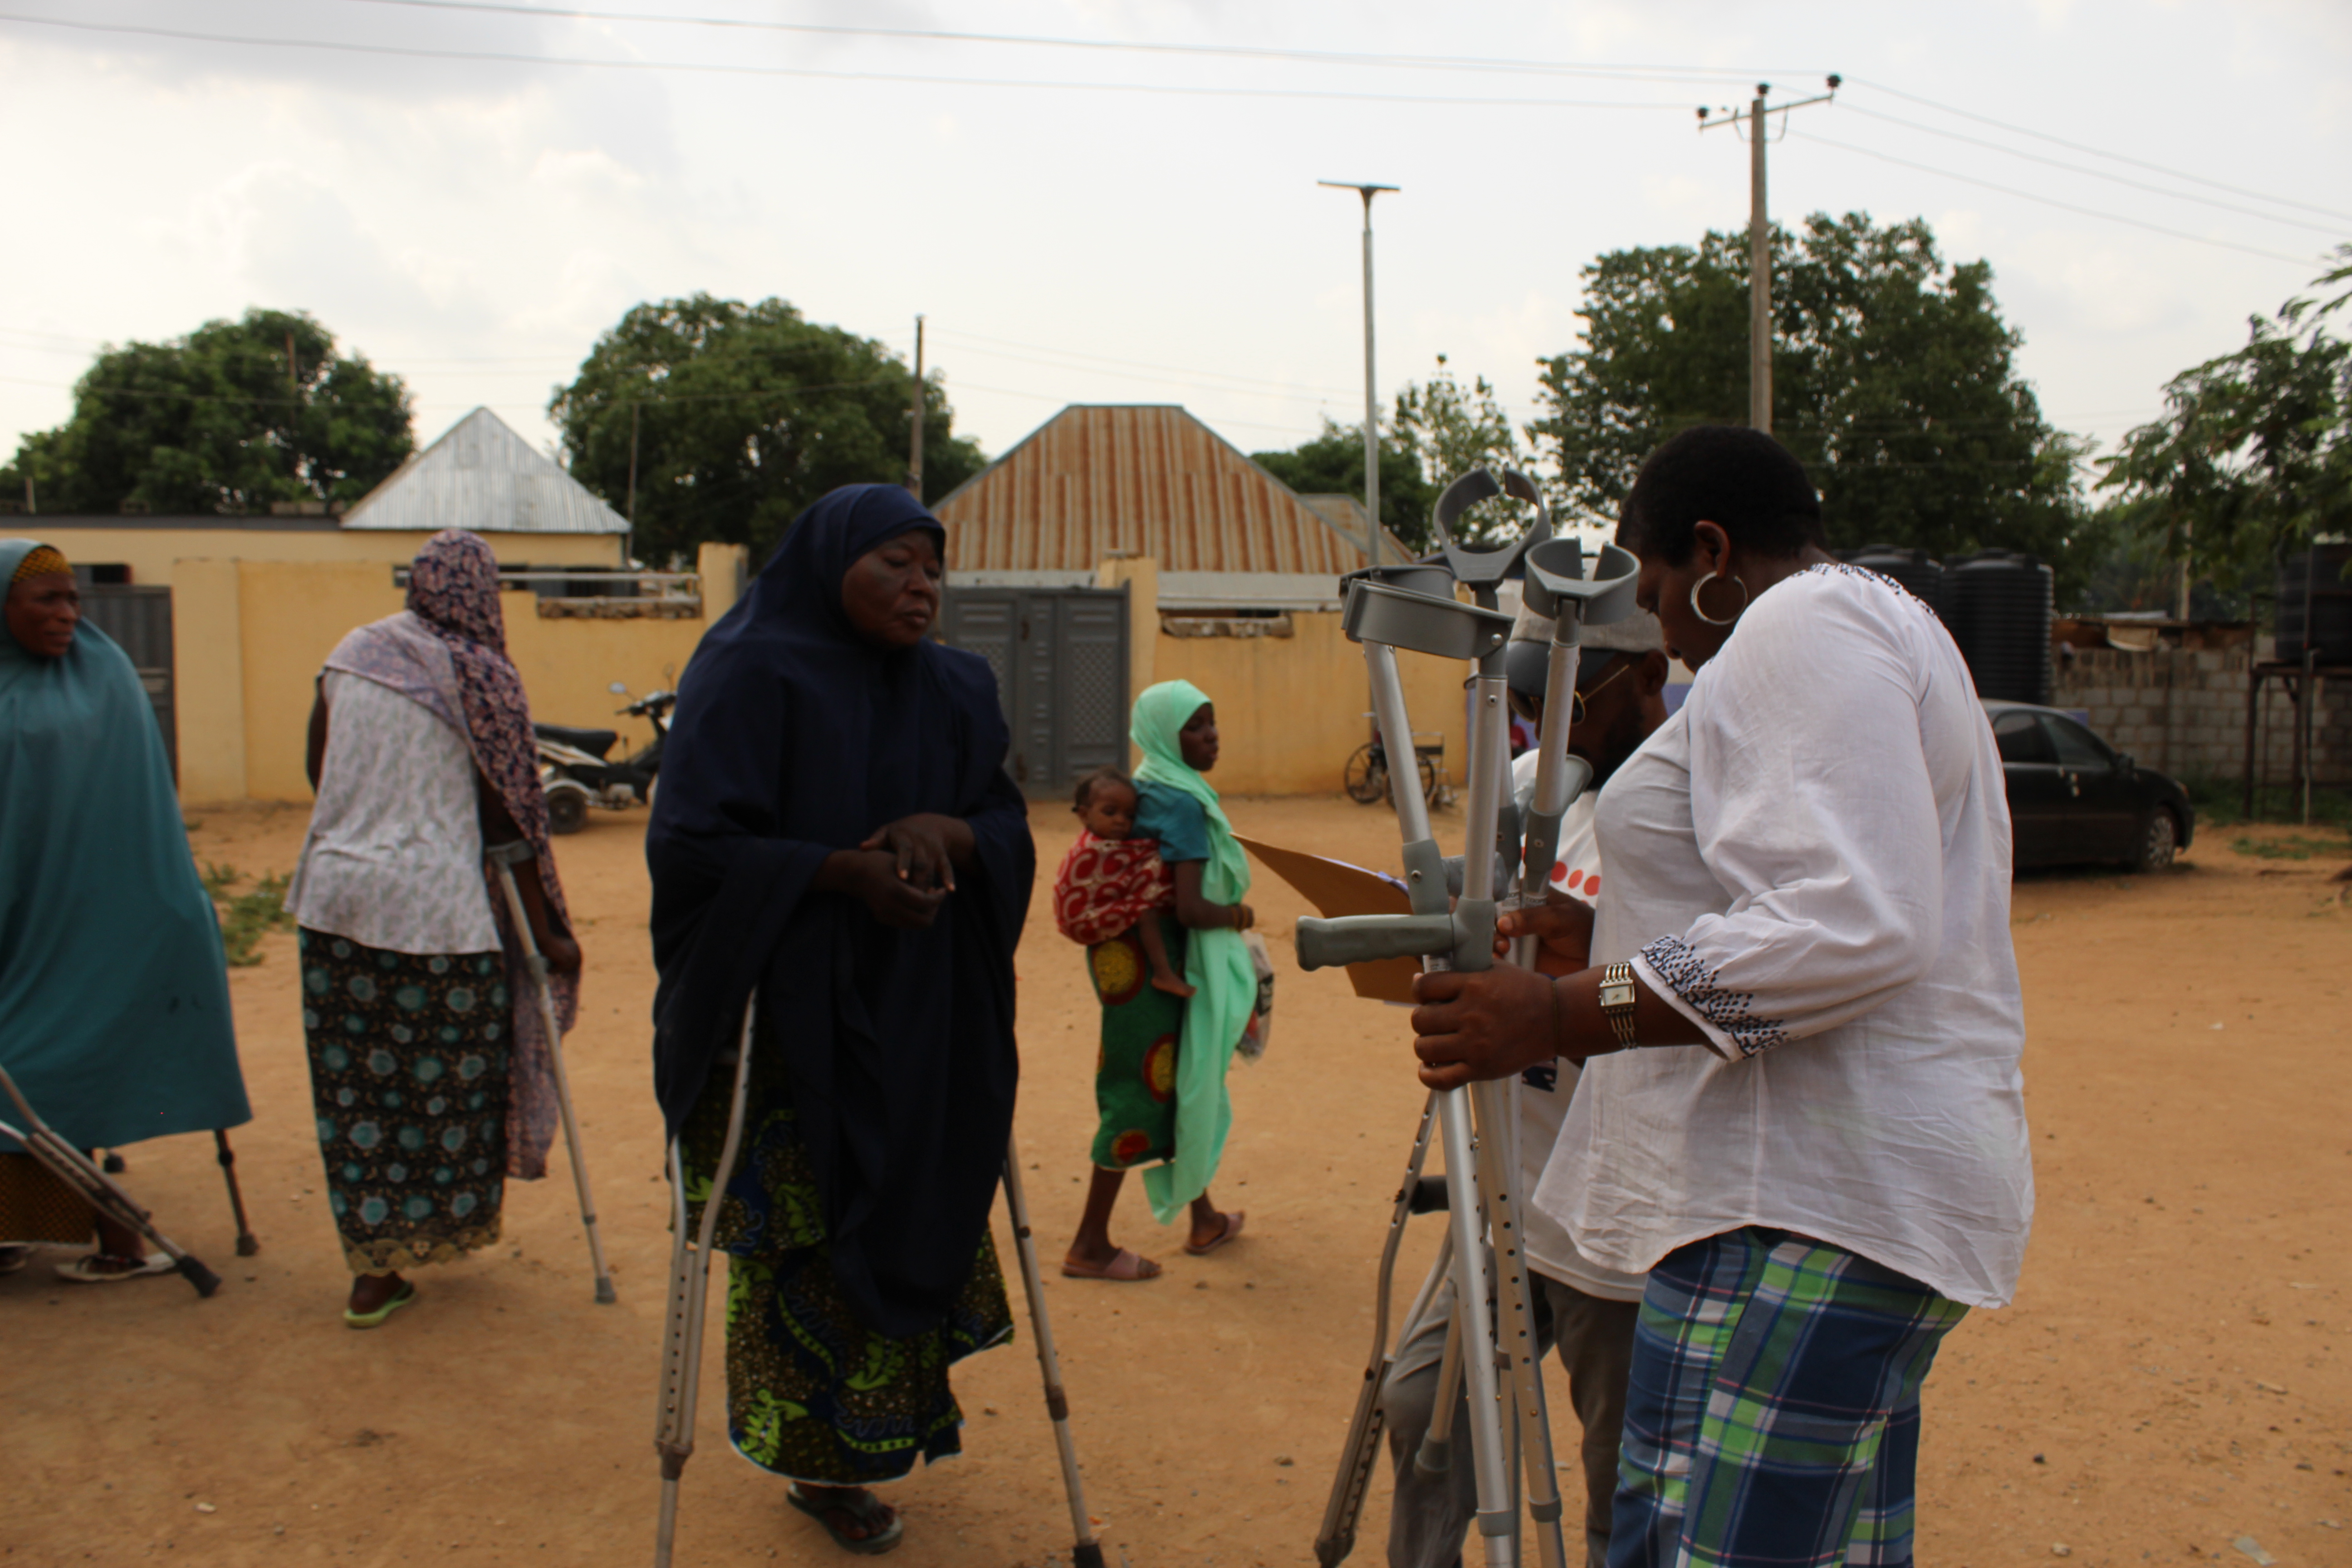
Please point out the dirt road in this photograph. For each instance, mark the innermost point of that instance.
(2173, 1378)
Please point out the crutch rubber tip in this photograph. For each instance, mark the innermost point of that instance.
(1087, 1554)
(1433, 1458)
(203, 1278)
(248, 1244)
(605, 1296)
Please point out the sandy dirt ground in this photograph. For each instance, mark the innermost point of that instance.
(2173, 1378)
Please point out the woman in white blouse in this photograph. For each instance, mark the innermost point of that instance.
(1801, 1109)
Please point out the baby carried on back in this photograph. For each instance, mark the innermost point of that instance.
(1112, 881)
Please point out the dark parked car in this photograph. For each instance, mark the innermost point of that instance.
(2073, 798)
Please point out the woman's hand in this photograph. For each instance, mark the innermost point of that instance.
(1562, 928)
(924, 849)
(872, 878)
(1243, 917)
(1471, 1027)
(563, 954)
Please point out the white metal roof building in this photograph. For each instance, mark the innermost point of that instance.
(482, 477)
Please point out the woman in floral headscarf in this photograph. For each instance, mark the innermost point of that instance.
(429, 1065)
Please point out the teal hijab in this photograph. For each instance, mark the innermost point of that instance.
(1217, 962)
(114, 1014)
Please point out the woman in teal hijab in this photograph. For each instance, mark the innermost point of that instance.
(114, 1014)
(1161, 1084)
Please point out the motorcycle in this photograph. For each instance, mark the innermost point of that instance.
(574, 773)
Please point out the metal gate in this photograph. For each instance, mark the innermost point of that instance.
(139, 618)
(1060, 659)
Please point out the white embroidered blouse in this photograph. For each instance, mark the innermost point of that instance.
(1811, 860)
(393, 858)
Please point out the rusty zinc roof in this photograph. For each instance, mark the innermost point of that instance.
(1098, 479)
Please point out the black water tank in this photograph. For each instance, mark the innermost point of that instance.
(1997, 603)
(1915, 569)
(2330, 595)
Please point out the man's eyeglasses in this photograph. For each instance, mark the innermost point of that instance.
(1525, 708)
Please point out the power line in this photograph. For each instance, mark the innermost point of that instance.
(2094, 152)
(730, 68)
(1661, 73)
(2055, 201)
(2101, 175)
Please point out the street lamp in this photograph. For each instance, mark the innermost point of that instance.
(1371, 397)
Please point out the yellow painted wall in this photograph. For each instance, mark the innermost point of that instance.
(1290, 709)
(150, 551)
(288, 616)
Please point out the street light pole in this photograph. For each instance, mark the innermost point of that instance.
(1372, 392)
(1759, 246)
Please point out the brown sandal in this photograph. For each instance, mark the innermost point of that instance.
(1233, 1228)
(1125, 1267)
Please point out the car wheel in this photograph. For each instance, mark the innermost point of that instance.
(567, 811)
(2158, 841)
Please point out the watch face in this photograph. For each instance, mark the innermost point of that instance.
(1616, 995)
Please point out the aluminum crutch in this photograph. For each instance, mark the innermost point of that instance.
(505, 856)
(689, 1283)
(1087, 1552)
(248, 1244)
(1463, 939)
(1362, 1449)
(76, 1168)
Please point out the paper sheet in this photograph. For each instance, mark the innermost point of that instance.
(1335, 888)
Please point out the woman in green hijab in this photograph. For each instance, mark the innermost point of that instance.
(1159, 1083)
(114, 1017)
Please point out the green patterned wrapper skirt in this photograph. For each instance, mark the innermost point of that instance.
(813, 1393)
(408, 1077)
(1135, 1072)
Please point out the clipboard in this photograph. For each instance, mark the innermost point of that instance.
(1335, 888)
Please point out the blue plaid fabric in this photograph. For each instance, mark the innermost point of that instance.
(1773, 1415)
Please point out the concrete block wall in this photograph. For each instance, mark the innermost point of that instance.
(2183, 711)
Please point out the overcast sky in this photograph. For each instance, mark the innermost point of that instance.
(1135, 224)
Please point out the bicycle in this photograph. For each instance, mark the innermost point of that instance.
(1366, 775)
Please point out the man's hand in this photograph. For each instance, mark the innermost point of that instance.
(871, 877)
(1476, 1026)
(1562, 928)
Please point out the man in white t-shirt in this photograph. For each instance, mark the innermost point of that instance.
(1586, 1309)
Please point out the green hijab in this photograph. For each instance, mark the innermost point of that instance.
(1159, 713)
(114, 1014)
(1216, 963)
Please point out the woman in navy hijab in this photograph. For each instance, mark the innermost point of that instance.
(835, 833)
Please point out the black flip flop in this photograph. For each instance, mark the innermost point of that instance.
(863, 1512)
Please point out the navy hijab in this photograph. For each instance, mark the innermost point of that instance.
(794, 737)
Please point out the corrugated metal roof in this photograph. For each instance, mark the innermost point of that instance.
(1137, 479)
(483, 476)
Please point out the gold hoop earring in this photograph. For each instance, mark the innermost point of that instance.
(1698, 610)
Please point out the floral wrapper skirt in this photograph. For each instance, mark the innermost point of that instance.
(813, 1393)
(1135, 1072)
(408, 1076)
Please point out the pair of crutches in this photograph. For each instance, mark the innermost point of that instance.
(689, 1285)
(1491, 1342)
(506, 857)
(78, 1171)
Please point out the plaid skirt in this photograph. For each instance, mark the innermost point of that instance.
(1773, 1411)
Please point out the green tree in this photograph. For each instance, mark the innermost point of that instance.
(1451, 430)
(745, 413)
(1894, 380)
(231, 418)
(2254, 455)
(1332, 463)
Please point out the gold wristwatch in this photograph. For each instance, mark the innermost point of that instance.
(1617, 997)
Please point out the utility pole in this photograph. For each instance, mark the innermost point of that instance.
(1372, 392)
(915, 457)
(1759, 245)
(633, 406)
